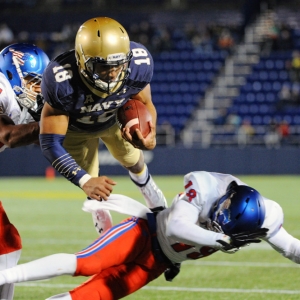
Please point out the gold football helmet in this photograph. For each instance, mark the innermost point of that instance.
(102, 49)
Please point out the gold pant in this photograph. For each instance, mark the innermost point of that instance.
(84, 148)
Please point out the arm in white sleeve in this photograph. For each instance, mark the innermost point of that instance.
(286, 245)
(278, 237)
(182, 226)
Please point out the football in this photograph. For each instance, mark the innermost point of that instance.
(134, 114)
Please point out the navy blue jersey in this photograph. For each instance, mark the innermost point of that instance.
(63, 89)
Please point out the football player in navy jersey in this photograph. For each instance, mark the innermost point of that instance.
(83, 88)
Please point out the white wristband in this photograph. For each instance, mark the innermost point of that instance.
(83, 180)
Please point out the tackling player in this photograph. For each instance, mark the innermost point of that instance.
(21, 68)
(215, 212)
(83, 88)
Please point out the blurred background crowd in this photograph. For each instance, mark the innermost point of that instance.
(227, 73)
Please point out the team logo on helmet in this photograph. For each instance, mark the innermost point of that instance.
(223, 213)
(22, 58)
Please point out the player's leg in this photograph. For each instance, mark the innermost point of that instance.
(10, 251)
(43, 268)
(107, 258)
(133, 160)
(127, 264)
(117, 282)
(117, 245)
(84, 148)
(153, 196)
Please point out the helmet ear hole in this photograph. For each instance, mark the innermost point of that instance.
(9, 75)
(231, 185)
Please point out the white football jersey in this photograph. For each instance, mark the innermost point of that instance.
(9, 105)
(182, 229)
(202, 190)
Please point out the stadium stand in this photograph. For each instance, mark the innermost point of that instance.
(254, 79)
(203, 64)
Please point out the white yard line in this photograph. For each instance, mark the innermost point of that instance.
(241, 264)
(217, 290)
(173, 288)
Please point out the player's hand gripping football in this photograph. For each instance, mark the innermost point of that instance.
(143, 143)
(99, 188)
(242, 239)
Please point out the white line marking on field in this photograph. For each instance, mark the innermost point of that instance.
(173, 288)
(242, 264)
(218, 290)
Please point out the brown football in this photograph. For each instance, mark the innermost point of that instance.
(134, 114)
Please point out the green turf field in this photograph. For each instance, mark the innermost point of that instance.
(49, 218)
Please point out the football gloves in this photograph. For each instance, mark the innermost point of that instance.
(242, 239)
(172, 271)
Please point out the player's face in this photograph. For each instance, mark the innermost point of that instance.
(109, 73)
(32, 86)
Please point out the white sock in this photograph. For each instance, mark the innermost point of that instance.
(8, 260)
(7, 291)
(43, 268)
(141, 177)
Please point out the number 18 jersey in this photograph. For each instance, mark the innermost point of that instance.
(90, 110)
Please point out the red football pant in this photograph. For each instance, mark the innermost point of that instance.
(10, 239)
(121, 261)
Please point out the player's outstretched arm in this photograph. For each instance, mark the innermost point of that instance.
(14, 136)
(54, 124)
(287, 245)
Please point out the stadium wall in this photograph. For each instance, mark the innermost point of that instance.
(29, 161)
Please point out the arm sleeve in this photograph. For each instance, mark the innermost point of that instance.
(286, 245)
(278, 237)
(182, 225)
(61, 160)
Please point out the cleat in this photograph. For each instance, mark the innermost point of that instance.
(152, 194)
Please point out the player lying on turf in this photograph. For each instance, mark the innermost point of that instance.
(215, 212)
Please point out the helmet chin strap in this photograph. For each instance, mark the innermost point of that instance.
(213, 226)
(108, 86)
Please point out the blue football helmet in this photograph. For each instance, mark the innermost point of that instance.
(240, 209)
(24, 61)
